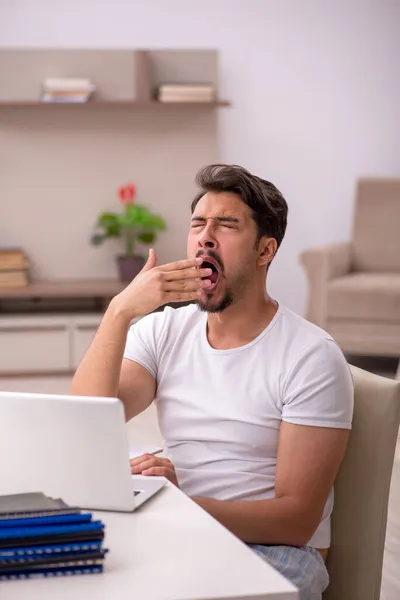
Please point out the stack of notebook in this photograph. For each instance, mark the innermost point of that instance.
(42, 536)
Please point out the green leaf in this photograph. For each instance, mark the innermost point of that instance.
(146, 237)
(113, 231)
(106, 219)
(158, 223)
(140, 216)
(110, 224)
(132, 216)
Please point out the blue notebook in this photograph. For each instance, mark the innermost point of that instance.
(8, 533)
(47, 520)
(55, 563)
(58, 572)
(54, 560)
(50, 549)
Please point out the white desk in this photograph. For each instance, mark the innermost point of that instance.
(169, 549)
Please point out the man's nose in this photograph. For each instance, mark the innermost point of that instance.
(207, 244)
(207, 240)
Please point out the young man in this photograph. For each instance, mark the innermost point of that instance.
(254, 403)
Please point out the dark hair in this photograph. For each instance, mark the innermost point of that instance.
(268, 205)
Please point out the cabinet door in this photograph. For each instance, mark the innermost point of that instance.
(27, 346)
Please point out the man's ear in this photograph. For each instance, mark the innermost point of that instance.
(267, 248)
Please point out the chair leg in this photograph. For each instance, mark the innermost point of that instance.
(397, 376)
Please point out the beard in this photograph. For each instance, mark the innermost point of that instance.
(209, 306)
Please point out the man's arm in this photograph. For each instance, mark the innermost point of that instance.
(99, 371)
(308, 461)
(103, 372)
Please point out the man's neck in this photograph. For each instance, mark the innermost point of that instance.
(241, 322)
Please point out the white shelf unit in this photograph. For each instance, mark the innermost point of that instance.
(45, 344)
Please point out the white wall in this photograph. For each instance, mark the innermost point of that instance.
(315, 88)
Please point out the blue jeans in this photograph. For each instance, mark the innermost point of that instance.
(304, 567)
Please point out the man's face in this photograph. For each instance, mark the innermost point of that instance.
(224, 233)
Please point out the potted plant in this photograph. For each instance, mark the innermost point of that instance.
(135, 224)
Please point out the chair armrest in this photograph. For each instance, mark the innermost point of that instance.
(321, 265)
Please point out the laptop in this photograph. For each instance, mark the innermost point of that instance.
(70, 447)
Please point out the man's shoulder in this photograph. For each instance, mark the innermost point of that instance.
(301, 334)
(177, 317)
(171, 317)
(309, 349)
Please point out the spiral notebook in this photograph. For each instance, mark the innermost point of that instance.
(67, 538)
(44, 537)
(11, 533)
(33, 504)
(56, 563)
(50, 549)
(58, 572)
(46, 520)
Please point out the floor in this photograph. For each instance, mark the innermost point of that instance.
(144, 430)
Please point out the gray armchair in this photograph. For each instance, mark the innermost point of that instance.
(354, 287)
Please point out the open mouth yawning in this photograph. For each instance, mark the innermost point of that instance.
(208, 263)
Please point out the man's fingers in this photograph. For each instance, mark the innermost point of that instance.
(181, 264)
(192, 285)
(139, 459)
(151, 261)
(181, 296)
(147, 462)
(163, 471)
(187, 274)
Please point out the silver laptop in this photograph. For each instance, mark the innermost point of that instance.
(70, 447)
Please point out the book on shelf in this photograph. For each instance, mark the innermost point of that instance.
(68, 83)
(14, 267)
(14, 279)
(77, 98)
(13, 258)
(186, 93)
(186, 87)
(67, 90)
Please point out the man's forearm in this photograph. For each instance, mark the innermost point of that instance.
(98, 373)
(276, 521)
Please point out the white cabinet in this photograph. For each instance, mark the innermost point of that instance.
(34, 344)
(44, 343)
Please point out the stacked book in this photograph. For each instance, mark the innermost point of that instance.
(174, 92)
(65, 90)
(14, 268)
(44, 537)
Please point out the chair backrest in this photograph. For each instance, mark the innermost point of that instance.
(362, 491)
(376, 236)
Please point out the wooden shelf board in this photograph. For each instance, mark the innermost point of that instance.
(81, 288)
(116, 103)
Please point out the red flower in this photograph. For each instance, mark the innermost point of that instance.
(130, 192)
(121, 194)
(127, 193)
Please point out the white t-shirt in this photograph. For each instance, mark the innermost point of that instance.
(219, 411)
